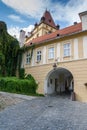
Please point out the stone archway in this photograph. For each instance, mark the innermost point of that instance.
(59, 81)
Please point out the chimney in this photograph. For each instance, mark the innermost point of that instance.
(75, 23)
(22, 37)
(83, 17)
(36, 24)
(42, 19)
(58, 26)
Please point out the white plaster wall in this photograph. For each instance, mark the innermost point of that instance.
(84, 22)
(51, 87)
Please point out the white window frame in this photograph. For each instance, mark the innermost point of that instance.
(66, 49)
(39, 55)
(28, 58)
(51, 53)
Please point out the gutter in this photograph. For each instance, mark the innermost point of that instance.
(58, 37)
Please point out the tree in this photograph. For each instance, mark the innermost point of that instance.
(9, 48)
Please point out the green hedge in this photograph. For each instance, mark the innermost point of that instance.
(15, 85)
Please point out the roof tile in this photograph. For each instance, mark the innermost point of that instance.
(61, 32)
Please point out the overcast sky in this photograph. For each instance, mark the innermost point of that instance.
(23, 14)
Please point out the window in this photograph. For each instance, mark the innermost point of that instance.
(38, 56)
(49, 20)
(28, 58)
(67, 49)
(49, 32)
(38, 35)
(51, 53)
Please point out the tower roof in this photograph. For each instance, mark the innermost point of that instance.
(47, 19)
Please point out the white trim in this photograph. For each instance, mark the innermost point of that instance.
(62, 62)
(58, 51)
(66, 49)
(85, 47)
(44, 55)
(76, 48)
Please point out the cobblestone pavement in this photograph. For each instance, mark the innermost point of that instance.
(45, 113)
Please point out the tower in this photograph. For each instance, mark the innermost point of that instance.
(22, 38)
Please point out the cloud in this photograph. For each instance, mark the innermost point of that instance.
(33, 8)
(16, 18)
(15, 31)
(70, 11)
(60, 11)
(28, 29)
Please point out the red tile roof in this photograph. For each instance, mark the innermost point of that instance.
(62, 32)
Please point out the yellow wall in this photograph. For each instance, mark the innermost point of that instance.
(61, 57)
(40, 30)
(78, 70)
(78, 67)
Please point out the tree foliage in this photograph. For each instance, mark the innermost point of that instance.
(9, 48)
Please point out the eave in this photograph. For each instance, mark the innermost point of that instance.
(58, 38)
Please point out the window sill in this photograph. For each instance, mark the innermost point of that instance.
(28, 63)
(38, 61)
(66, 56)
(50, 58)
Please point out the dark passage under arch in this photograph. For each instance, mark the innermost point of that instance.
(59, 81)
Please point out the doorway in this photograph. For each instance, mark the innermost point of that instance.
(59, 81)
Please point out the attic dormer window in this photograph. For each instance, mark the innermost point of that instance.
(38, 35)
(31, 43)
(49, 20)
(49, 32)
(58, 35)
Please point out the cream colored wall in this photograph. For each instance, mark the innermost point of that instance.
(40, 30)
(80, 47)
(77, 66)
(77, 51)
(78, 70)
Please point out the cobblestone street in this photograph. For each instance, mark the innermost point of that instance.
(45, 113)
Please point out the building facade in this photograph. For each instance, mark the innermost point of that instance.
(57, 58)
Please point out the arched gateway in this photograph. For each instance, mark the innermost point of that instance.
(59, 81)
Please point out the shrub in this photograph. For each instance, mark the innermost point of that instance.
(2, 84)
(15, 85)
(30, 77)
(21, 73)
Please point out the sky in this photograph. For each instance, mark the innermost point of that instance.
(23, 14)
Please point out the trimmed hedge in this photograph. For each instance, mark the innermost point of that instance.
(15, 85)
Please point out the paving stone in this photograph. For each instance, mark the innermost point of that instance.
(45, 113)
